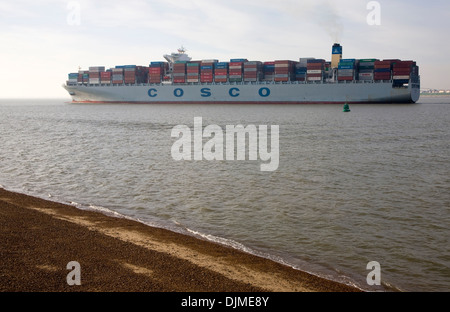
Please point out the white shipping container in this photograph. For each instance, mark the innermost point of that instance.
(235, 67)
(314, 71)
(314, 78)
(94, 80)
(365, 76)
(97, 68)
(402, 77)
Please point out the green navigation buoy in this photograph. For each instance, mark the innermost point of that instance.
(346, 108)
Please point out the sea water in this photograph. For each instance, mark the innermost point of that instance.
(350, 188)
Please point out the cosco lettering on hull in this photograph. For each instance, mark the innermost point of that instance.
(206, 92)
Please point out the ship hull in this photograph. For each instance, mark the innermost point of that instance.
(257, 93)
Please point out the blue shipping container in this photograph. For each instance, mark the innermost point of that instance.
(221, 65)
(345, 66)
(315, 61)
(382, 70)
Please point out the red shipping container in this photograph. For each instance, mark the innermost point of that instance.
(317, 75)
(391, 60)
(280, 62)
(282, 70)
(387, 66)
(380, 76)
(401, 71)
(404, 64)
(345, 78)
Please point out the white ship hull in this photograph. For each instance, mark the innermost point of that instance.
(247, 93)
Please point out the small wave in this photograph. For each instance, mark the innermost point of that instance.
(221, 240)
(109, 212)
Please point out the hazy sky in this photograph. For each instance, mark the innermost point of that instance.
(42, 41)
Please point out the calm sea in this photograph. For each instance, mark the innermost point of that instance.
(350, 188)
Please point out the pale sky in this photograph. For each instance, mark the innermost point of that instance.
(42, 41)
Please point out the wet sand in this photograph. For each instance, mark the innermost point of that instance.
(38, 238)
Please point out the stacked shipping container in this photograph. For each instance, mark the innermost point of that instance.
(207, 70)
(366, 69)
(252, 71)
(221, 72)
(179, 72)
(72, 78)
(156, 72)
(300, 71)
(236, 70)
(347, 69)
(94, 74)
(105, 77)
(382, 70)
(242, 70)
(117, 75)
(269, 71)
(401, 71)
(315, 69)
(284, 70)
(193, 71)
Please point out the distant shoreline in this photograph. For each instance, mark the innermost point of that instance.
(435, 94)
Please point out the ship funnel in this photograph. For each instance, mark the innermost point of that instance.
(336, 55)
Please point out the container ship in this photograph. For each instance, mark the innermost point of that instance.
(179, 79)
